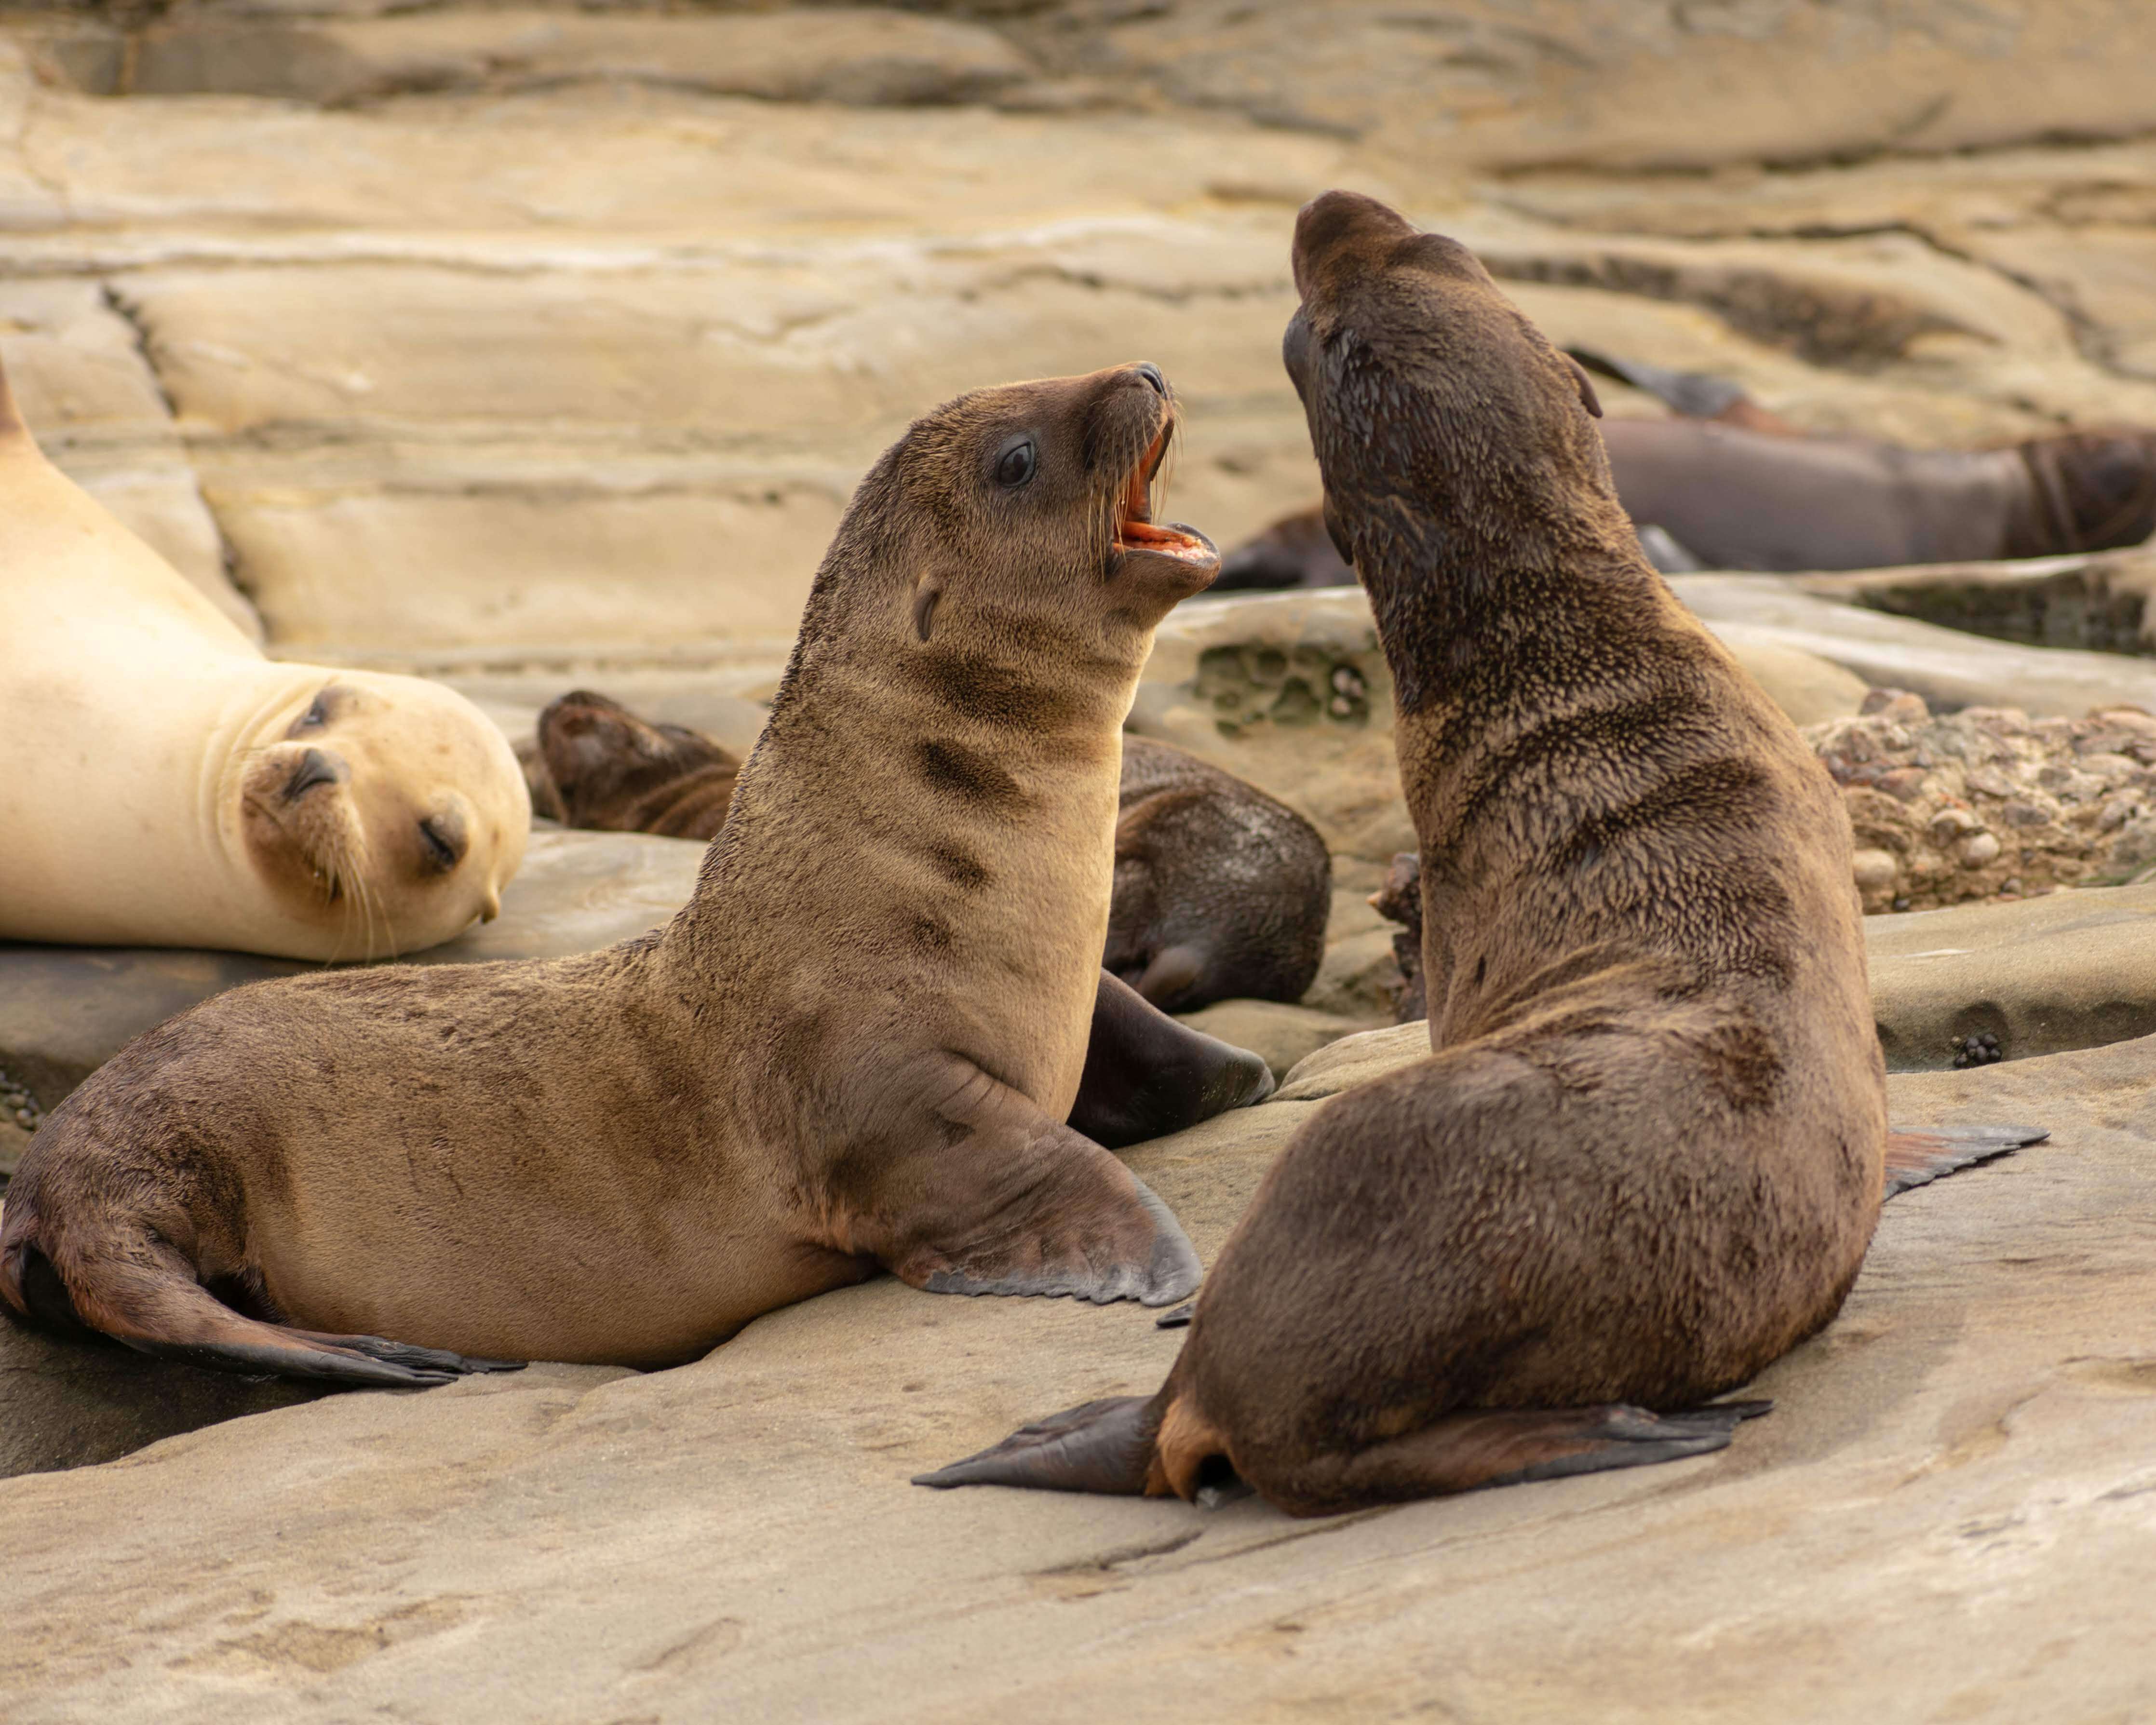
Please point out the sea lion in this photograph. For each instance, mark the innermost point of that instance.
(595, 764)
(1730, 485)
(161, 784)
(1646, 1152)
(856, 1046)
(1221, 891)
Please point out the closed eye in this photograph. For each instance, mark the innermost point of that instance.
(439, 850)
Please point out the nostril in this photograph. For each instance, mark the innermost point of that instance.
(313, 768)
(1150, 372)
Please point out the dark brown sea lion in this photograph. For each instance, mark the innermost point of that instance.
(1647, 1153)
(1729, 485)
(1221, 892)
(856, 1046)
(595, 764)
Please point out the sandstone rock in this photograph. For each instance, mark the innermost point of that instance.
(1355, 1059)
(1988, 801)
(1946, 1491)
(1947, 668)
(2099, 601)
(2067, 971)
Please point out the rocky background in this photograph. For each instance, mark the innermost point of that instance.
(533, 346)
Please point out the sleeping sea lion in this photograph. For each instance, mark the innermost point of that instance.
(161, 784)
(1221, 891)
(592, 764)
(856, 1046)
(1646, 1152)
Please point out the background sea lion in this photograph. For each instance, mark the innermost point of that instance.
(856, 1046)
(592, 764)
(1221, 891)
(1730, 485)
(1646, 1152)
(161, 784)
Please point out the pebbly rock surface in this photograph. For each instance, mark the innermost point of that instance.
(1989, 803)
(1949, 1491)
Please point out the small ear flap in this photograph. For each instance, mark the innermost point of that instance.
(925, 597)
(1588, 398)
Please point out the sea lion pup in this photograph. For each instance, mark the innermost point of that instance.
(595, 764)
(161, 784)
(856, 1046)
(1221, 891)
(1644, 1157)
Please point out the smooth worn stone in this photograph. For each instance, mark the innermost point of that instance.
(2099, 601)
(2069, 970)
(1968, 1445)
(1355, 1059)
(1949, 669)
(66, 1010)
(1283, 1034)
(1358, 979)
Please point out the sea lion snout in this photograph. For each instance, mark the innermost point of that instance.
(313, 768)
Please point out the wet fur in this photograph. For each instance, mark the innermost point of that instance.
(855, 1047)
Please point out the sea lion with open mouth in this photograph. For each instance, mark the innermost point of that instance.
(855, 1047)
(1647, 1151)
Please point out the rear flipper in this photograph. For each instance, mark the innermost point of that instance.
(1147, 1075)
(148, 1298)
(1103, 1446)
(1917, 1158)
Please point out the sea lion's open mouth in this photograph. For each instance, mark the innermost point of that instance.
(1136, 530)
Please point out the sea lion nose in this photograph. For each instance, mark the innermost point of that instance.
(1150, 372)
(313, 768)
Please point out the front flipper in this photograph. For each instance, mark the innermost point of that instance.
(990, 1196)
(1917, 1158)
(1147, 1075)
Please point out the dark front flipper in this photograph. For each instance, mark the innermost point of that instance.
(990, 1196)
(1104, 1446)
(1147, 1075)
(1917, 1158)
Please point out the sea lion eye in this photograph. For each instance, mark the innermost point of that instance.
(1018, 464)
(439, 850)
(316, 715)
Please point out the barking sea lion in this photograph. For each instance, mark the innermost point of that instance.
(1647, 1153)
(163, 784)
(856, 1045)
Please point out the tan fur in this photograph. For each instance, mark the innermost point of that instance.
(149, 754)
(856, 1046)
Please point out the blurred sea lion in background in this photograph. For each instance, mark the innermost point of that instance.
(855, 1047)
(1730, 485)
(1647, 1153)
(162, 783)
(1221, 892)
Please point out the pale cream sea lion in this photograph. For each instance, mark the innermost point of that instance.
(162, 783)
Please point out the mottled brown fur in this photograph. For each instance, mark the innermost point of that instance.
(594, 764)
(1644, 1157)
(626, 1155)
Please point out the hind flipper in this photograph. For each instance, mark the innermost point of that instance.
(1507, 1446)
(1103, 1446)
(1146, 1075)
(1918, 1158)
(408, 1354)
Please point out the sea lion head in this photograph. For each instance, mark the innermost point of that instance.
(595, 764)
(1431, 397)
(386, 809)
(1017, 517)
(2099, 486)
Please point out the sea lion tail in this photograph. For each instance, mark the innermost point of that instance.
(1917, 1158)
(1104, 1446)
